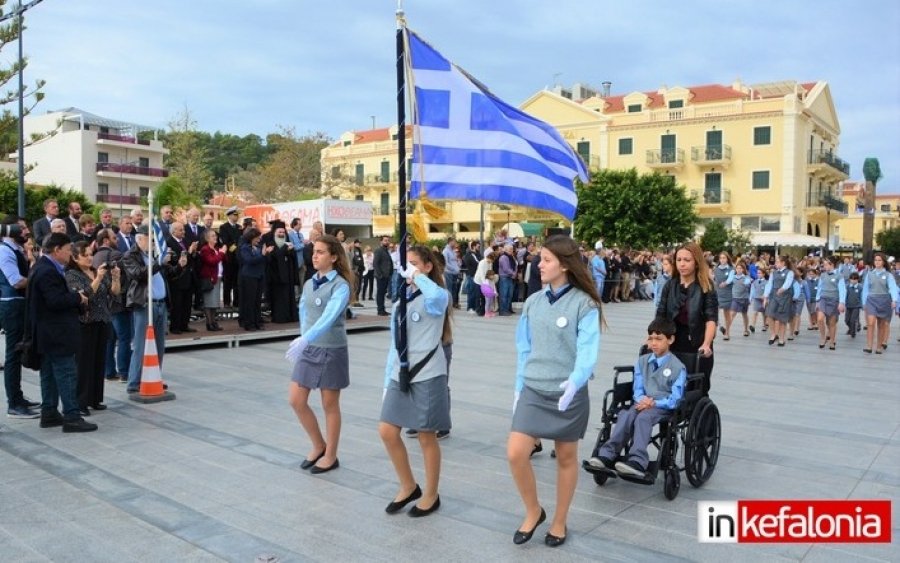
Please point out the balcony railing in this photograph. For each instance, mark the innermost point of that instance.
(712, 196)
(825, 198)
(665, 158)
(825, 156)
(711, 154)
(132, 169)
(121, 139)
(123, 199)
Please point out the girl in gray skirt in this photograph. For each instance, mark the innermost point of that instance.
(425, 406)
(831, 297)
(557, 341)
(879, 297)
(320, 354)
(778, 298)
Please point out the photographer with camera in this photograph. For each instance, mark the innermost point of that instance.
(118, 348)
(15, 262)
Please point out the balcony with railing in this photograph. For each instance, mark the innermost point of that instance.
(665, 158)
(824, 162)
(711, 155)
(822, 201)
(717, 199)
(121, 139)
(119, 199)
(114, 168)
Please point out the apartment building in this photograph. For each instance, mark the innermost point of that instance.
(849, 229)
(99, 156)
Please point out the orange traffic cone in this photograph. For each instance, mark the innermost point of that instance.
(152, 389)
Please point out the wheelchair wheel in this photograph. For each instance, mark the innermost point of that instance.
(701, 449)
(600, 478)
(672, 484)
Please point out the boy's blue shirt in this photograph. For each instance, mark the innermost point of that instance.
(677, 393)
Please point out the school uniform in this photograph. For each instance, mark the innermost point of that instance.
(662, 379)
(809, 292)
(757, 291)
(879, 291)
(557, 339)
(852, 307)
(830, 292)
(425, 406)
(797, 298)
(721, 274)
(740, 292)
(324, 363)
(779, 306)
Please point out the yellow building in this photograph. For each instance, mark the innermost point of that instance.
(762, 158)
(362, 165)
(850, 228)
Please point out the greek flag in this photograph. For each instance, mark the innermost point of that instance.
(160, 240)
(470, 145)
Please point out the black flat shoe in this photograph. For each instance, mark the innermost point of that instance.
(772, 341)
(416, 512)
(781, 344)
(555, 541)
(315, 469)
(539, 447)
(99, 407)
(867, 350)
(307, 463)
(84, 411)
(521, 537)
(398, 505)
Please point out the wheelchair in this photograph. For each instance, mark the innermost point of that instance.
(693, 427)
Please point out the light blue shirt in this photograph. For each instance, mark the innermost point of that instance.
(451, 265)
(9, 265)
(335, 306)
(588, 346)
(158, 287)
(598, 267)
(677, 388)
(296, 238)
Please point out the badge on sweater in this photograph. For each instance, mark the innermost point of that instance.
(667, 372)
(318, 301)
(415, 316)
(562, 322)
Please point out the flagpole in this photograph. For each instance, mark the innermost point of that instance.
(151, 234)
(402, 348)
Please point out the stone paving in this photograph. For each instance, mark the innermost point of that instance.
(214, 474)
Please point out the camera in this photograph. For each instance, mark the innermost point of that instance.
(13, 230)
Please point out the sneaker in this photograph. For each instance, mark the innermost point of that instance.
(412, 432)
(601, 462)
(78, 425)
(29, 403)
(21, 412)
(441, 434)
(630, 468)
(51, 419)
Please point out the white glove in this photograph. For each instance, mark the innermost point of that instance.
(515, 401)
(383, 394)
(569, 390)
(295, 350)
(410, 272)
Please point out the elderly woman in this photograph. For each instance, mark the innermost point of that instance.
(211, 259)
(101, 287)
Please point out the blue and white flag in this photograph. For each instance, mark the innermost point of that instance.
(160, 240)
(470, 145)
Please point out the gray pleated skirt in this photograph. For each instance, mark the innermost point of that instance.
(811, 307)
(879, 306)
(537, 414)
(797, 306)
(724, 296)
(758, 304)
(779, 307)
(211, 297)
(739, 304)
(426, 407)
(322, 368)
(828, 307)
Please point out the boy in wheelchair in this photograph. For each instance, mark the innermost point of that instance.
(659, 383)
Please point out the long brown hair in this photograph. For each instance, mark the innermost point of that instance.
(568, 253)
(701, 273)
(428, 256)
(341, 264)
(79, 249)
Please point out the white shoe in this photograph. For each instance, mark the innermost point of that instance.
(625, 469)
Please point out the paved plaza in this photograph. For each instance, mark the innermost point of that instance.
(214, 475)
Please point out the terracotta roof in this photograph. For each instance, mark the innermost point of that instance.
(699, 94)
(372, 136)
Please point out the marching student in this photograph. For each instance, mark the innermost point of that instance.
(810, 285)
(320, 354)
(425, 406)
(557, 341)
(879, 297)
(757, 294)
(740, 297)
(778, 296)
(798, 303)
(853, 305)
(723, 289)
(662, 278)
(831, 299)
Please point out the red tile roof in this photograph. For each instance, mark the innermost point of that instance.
(373, 135)
(699, 94)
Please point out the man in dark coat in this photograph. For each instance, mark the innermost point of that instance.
(230, 237)
(384, 269)
(181, 284)
(57, 336)
(281, 277)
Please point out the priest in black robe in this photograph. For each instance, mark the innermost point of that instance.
(281, 277)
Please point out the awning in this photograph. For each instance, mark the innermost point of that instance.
(787, 239)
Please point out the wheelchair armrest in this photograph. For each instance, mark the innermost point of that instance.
(619, 369)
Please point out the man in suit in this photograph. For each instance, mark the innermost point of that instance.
(181, 284)
(41, 227)
(57, 336)
(384, 268)
(137, 219)
(166, 218)
(73, 227)
(125, 237)
(194, 231)
(106, 220)
(230, 237)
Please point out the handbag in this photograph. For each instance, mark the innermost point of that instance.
(26, 349)
(206, 285)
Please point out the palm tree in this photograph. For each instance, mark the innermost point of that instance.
(872, 172)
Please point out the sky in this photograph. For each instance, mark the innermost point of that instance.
(253, 66)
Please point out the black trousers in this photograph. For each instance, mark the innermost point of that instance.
(250, 310)
(368, 285)
(230, 282)
(181, 308)
(91, 360)
(381, 289)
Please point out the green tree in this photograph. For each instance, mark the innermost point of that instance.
(35, 196)
(293, 171)
(872, 173)
(889, 242)
(9, 120)
(715, 237)
(188, 158)
(172, 191)
(638, 211)
(738, 240)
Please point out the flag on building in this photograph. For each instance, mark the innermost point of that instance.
(160, 240)
(470, 145)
